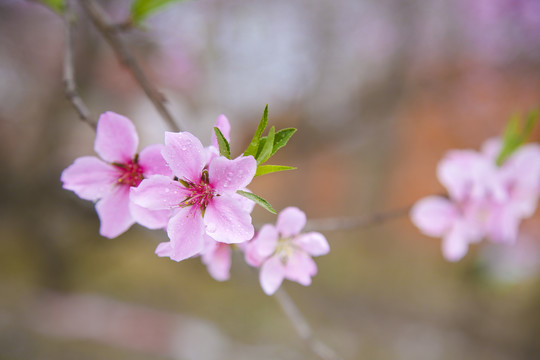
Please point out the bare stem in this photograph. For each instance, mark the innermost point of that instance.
(111, 33)
(356, 222)
(302, 327)
(70, 87)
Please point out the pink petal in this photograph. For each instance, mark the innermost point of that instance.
(455, 244)
(266, 240)
(271, 275)
(186, 231)
(159, 193)
(230, 175)
(503, 225)
(113, 212)
(218, 261)
(463, 172)
(300, 268)
(152, 162)
(434, 215)
(90, 178)
(164, 249)
(313, 243)
(224, 126)
(116, 138)
(491, 148)
(227, 222)
(245, 203)
(185, 155)
(151, 219)
(290, 221)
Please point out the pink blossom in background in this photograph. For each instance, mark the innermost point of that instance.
(281, 251)
(108, 181)
(485, 200)
(204, 197)
(217, 258)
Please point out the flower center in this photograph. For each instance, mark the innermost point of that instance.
(131, 173)
(201, 193)
(284, 249)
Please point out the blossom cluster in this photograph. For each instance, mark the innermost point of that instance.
(198, 195)
(487, 197)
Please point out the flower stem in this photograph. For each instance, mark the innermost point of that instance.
(302, 327)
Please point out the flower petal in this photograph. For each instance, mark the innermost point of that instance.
(218, 260)
(271, 275)
(186, 231)
(290, 221)
(159, 192)
(313, 243)
(463, 173)
(227, 222)
(503, 225)
(262, 245)
(116, 138)
(113, 212)
(152, 162)
(151, 219)
(245, 203)
(164, 249)
(185, 155)
(491, 148)
(230, 175)
(224, 126)
(89, 178)
(434, 215)
(300, 268)
(455, 244)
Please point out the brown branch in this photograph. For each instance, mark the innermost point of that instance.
(302, 327)
(111, 33)
(356, 222)
(70, 87)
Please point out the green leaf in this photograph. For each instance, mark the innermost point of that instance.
(56, 5)
(266, 147)
(516, 134)
(254, 144)
(141, 9)
(259, 200)
(224, 147)
(282, 138)
(267, 169)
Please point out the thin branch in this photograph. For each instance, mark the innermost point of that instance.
(70, 87)
(111, 33)
(356, 222)
(302, 327)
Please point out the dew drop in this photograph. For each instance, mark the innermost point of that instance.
(166, 190)
(211, 228)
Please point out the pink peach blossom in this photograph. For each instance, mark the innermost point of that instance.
(485, 200)
(204, 197)
(281, 251)
(108, 181)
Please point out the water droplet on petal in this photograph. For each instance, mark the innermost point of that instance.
(211, 228)
(167, 190)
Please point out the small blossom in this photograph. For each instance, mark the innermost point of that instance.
(485, 200)
(203, 197)
(108, 181)
(281, 251)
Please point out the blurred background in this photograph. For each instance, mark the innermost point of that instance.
(379, 91)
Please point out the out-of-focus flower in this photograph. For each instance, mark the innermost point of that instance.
(281, 251)
(485, 200)
(217, 258)
(204, 197)
(108, 181)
